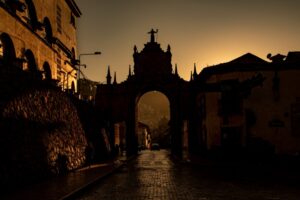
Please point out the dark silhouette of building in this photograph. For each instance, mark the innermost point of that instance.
(245, 103)
(152, 71)
(262, 119)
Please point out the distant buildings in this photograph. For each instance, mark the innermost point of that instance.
(87, 89)
(264, 118)
(40, 37)
(144, 135)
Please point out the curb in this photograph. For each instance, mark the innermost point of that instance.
(78, 190)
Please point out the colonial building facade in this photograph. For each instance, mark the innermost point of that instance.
(39, 36)
(265, 118)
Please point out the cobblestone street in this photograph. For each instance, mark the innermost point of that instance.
(154, 176)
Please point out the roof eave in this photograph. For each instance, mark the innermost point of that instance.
(75, 9)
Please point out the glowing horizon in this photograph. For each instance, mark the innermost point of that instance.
(199, 31)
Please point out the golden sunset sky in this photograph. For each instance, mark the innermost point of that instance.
(205, 32)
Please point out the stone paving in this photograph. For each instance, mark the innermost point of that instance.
(154, 176)
(63, 187)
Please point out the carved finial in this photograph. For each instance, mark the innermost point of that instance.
(129, 71)
(169, 48)
(115, 78)
(195, 72)
(135, 49)
(176, 72)
(108, 76)
(152, 32)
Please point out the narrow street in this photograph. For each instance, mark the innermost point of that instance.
(154, 176)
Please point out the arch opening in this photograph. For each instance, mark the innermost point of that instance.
(7, 49)
(47, 71)
(48, 30)
(1, 49)
(31, 15)
(153, 120)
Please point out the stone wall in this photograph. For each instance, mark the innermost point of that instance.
(41, 133)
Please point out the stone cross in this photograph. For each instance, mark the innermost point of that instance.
(152, 32)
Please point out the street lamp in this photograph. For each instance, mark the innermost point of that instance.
(79, 64)
(85, 54)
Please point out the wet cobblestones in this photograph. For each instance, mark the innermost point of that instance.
(153, 176)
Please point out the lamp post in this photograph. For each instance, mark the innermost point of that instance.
(79, 64)
(85, 54)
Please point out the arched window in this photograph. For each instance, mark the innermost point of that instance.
(1, 49)
(47, 71)
(31, 12)
(31, 64)
(73, 53)
(7, 49)
(15, 5)
(48, 30)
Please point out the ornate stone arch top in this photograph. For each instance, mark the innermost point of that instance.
(150, 88)
(152, 62)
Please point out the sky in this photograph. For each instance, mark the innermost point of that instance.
(205, 32)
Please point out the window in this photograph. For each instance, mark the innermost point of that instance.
(203, 107)
(31, 15)
(47, 71)
(7, 49)
(58, 62)
(31, 64)
(72, 21)
(295, 119)
(14, 5)
(48, 30)
(73, 53)
(1, 49)
(231, 101)
(58, 19)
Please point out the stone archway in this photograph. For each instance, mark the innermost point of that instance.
(153, 70)
(153, 114)
(175, 116)
(152, 118)
(176, 119)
